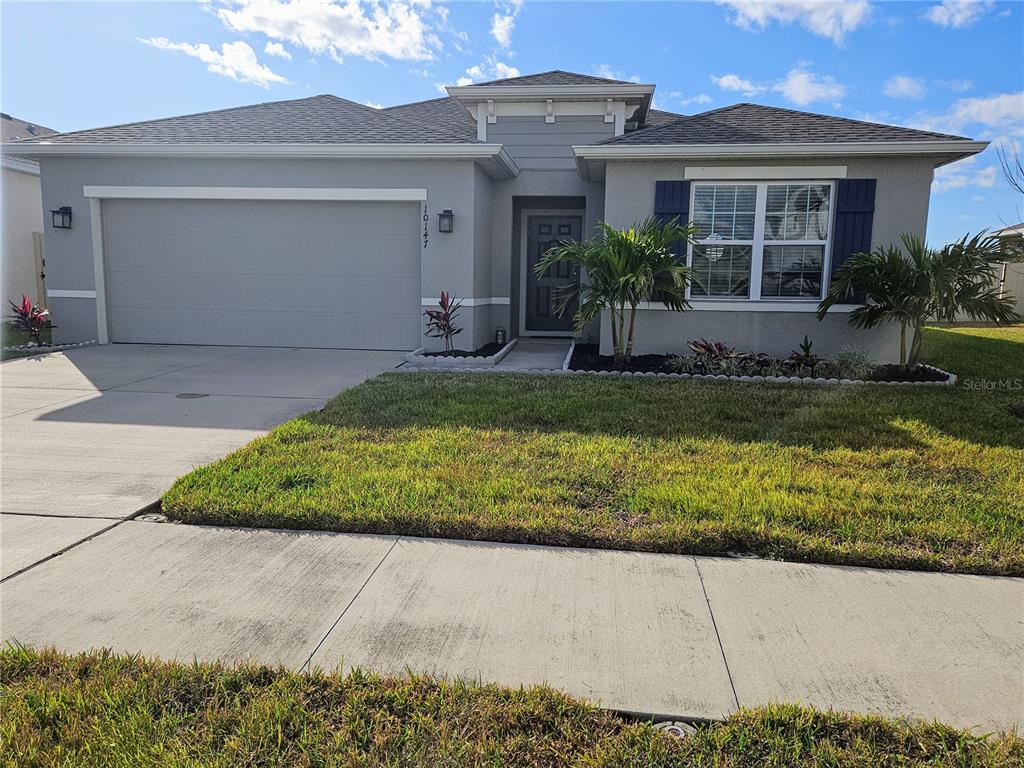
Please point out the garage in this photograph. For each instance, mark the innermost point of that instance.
(267, 273)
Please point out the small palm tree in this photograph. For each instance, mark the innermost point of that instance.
(918, 284)
(623, 268)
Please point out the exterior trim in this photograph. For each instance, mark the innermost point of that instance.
(597, 91)
(746, 305)
(477, 302)
(96, 224)
(764, 172)
(255, 193)
(20, 166)
(63, 293)
(805, 149)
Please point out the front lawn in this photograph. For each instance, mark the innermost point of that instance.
(927, 478)
(96, 709)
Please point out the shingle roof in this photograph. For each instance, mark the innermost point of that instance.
(757, 124)
(444, 113)
(556, 77)
(315, 120)
(14, 129)
(660, 117)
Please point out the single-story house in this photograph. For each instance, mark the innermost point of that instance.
(321, 222)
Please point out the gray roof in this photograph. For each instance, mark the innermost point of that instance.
(315, 120)
(556, 77)
(15, 129)
(444, 113)
(660, 117)
(757, 124)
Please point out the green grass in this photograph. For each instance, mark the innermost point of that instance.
(926, 478)
(13, 337)
(98, 709)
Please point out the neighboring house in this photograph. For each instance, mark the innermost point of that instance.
(22, 214)
(1011, 273)
(315, 222)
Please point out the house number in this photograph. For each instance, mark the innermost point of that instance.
(426, 229)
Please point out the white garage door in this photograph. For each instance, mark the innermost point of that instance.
(263, 273)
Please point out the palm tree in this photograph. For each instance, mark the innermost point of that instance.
(623, 267)
(918, 284)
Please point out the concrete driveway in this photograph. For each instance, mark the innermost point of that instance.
(91, 436)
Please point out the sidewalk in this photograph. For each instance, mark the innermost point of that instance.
(669, 635)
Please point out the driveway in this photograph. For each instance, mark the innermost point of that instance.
(93, 435)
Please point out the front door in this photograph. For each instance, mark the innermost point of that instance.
(544, 233)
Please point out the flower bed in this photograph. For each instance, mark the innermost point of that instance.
(845, 368)
(487, 355)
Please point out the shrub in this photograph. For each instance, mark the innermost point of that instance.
(441, 322)
(30, 318)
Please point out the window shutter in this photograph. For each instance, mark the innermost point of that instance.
(855, 212)
(671, 201)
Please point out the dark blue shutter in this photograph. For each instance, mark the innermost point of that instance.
(672, 201)
(855, 211)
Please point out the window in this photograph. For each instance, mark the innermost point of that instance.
(760, 240)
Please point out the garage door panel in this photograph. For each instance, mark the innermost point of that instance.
(263, 273)
(263, 328)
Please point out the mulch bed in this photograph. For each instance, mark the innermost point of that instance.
(485, 351)
(586, 357)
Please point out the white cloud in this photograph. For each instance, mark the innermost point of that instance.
(276, 49)
(957, 85)
(504, 21)
(999, 114)
(802, 87)
(833, 19)
(489, 69)
(964, 174)
(904, 87)
(399, 29)
(958, 13)
(737, 83)
(235, 60)
(604, 70)
(700, 99)
(374, 105)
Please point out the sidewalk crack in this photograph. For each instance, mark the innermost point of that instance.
(305, 666)
(718, 636)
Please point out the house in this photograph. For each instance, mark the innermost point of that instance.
(22, 215)
(1011, 271)
(324, 223)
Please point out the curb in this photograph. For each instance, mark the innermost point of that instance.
(416, 357)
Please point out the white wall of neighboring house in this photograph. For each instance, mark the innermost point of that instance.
(22, 215)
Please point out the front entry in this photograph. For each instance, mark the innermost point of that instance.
(544, 233)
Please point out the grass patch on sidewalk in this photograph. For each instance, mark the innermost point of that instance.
(98, 709)
(925, 478)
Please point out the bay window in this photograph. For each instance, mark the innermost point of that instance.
(760, 240)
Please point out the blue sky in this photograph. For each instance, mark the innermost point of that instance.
(951, 65)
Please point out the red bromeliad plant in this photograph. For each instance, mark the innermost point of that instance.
(30, 318)
(711, 350)
(441, 322)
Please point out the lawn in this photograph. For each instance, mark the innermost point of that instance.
(97, 709)
(926, 478)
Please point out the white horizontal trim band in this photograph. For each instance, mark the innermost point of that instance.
(257, 193)
(743, 305)
(21, 166)
(566, 92)
(808, 149)
(765, 172)
(63, 293)
(478, 302)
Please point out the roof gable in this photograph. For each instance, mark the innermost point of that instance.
(759, 124)
(555, 77)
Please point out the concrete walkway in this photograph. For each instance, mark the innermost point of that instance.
(666, 634)
(537, 354)
(92, 435)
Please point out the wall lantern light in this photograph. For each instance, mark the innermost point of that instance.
(62, 217)
(446, 221)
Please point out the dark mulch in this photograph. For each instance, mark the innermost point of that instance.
(585, 357)
(895, 373)
(485, 351)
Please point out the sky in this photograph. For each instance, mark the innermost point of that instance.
(954, 66)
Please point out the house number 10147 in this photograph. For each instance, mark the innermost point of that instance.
(426, 228)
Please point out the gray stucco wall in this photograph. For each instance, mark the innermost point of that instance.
(901, 205)
(448, 260)
(539, 145)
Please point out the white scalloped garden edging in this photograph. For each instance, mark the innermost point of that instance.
(950, 380)
(416, 357)
(42, 349)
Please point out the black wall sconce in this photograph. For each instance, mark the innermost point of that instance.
(61, 217)
(446, 221)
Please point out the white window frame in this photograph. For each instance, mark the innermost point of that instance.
(759, 242)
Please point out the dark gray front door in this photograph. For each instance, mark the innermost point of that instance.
(543, 233)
